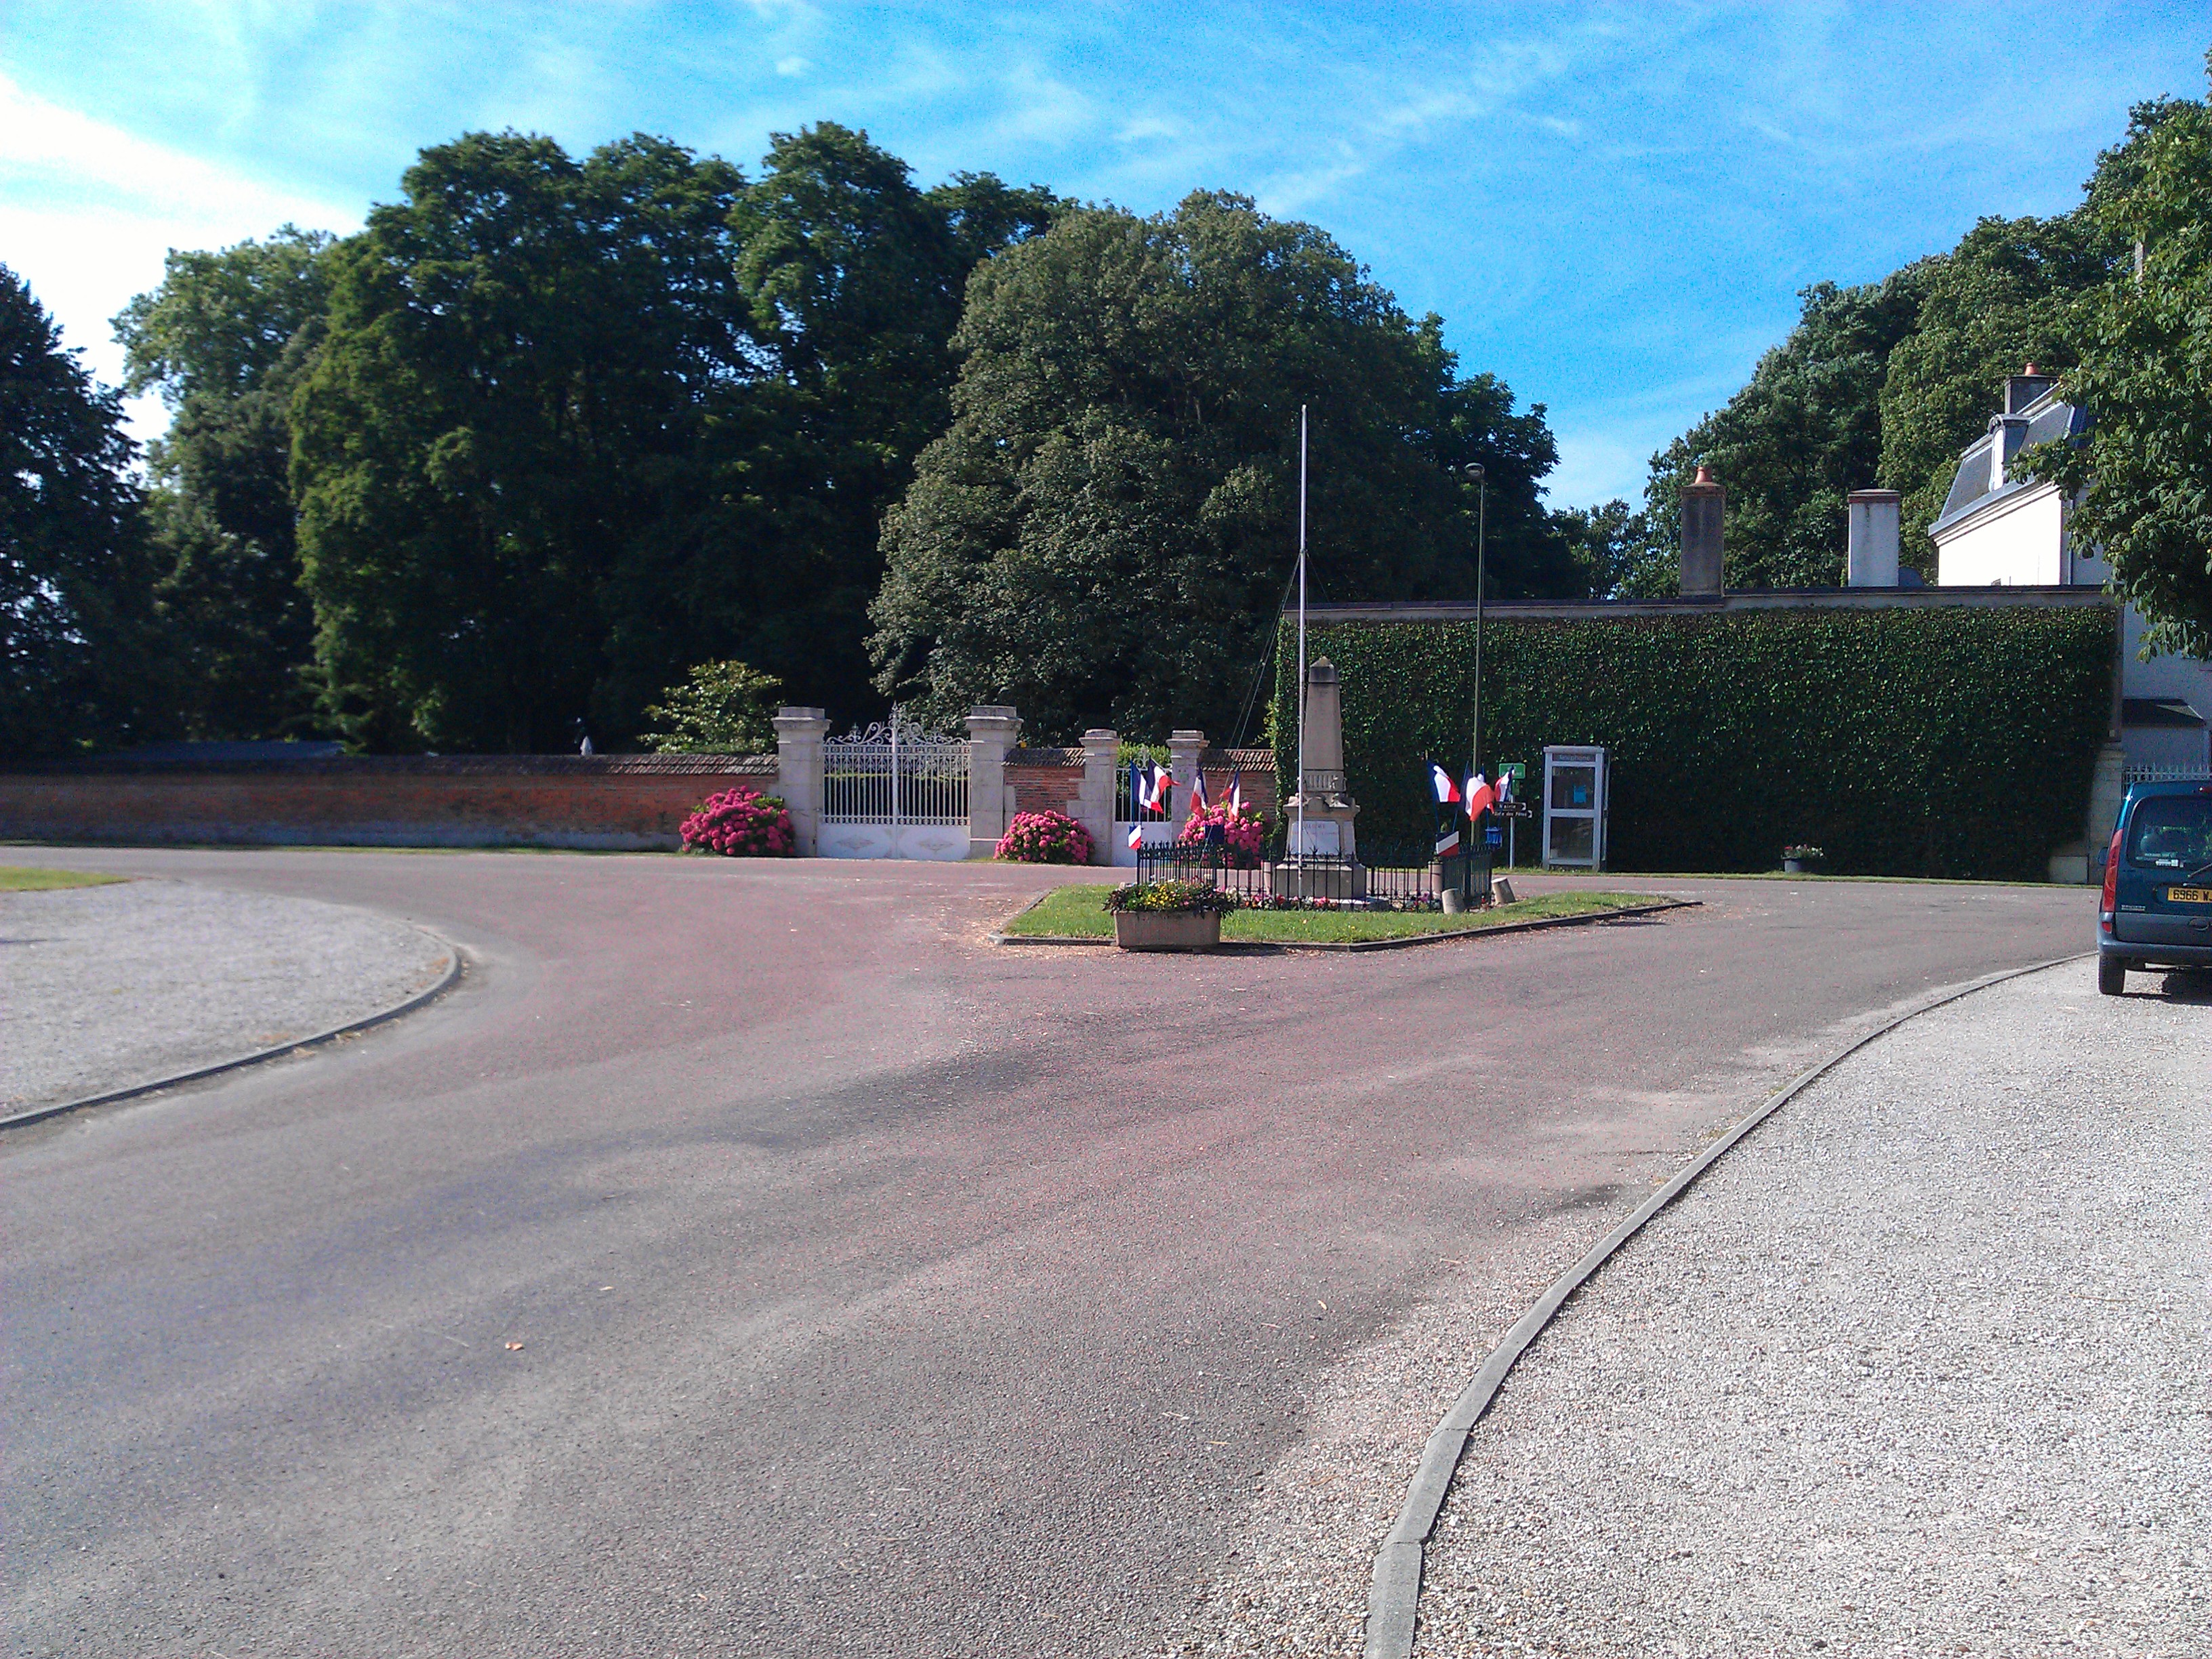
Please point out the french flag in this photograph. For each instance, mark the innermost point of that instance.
(1448, 839)
(1160, 798)
(1136, 836)
(1197, 799)
(1480, 797)
(1446, 790)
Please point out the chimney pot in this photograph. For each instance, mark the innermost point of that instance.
(1703, 502)
(1871, 558)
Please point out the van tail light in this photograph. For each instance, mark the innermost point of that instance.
(2110, 902)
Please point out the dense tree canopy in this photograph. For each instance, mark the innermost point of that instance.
(1796, 440)
(853, 280)
(2001, 300)
(1888, 383)
(500, 428)
(225, 340)
(1104, 531)
(79, 663)
(2144, 368)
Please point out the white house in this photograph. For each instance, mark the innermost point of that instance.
(2000, 531)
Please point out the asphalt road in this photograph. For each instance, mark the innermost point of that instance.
(876, 1290)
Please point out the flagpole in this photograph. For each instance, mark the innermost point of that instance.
(1300, 850)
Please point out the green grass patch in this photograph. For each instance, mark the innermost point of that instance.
(1080, 913)
(19, 878)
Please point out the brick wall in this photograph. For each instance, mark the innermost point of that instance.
(1045, 780)
(604, 801)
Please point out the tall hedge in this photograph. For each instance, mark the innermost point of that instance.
(1941, 742)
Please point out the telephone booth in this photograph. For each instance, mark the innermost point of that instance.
(1575, 790)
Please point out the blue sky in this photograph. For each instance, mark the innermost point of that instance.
(1611, 207)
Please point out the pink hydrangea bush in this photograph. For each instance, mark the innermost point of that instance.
(1244, 833)
(1045, 838)
(741, 824)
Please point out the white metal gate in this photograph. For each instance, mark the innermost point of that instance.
(894, 791)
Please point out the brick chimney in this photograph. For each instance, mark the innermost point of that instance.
(1703, 499)
(1871, 560)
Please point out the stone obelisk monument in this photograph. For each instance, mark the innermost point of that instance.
(1322, 810)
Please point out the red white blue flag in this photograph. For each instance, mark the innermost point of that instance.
(1479, 795)
(1446, 790)
(1197, 799)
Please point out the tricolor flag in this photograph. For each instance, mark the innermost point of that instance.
(1235, 790)
(1479, 795)
(1446, 790)
(1162, 797)
(1136, 836)
(1448, 838)
(1137, 802)
(1197, 799)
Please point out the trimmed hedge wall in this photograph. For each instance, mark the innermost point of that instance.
(1950, 741)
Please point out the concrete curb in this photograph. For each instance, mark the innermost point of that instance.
(1393, 1596)
(1441, 936)
(455, 966)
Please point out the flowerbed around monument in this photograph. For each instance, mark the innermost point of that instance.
(1079, 913)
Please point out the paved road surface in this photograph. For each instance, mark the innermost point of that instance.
(877, 1292)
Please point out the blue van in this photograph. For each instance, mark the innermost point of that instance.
(2157, 908)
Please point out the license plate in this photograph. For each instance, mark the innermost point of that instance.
(2189, 895)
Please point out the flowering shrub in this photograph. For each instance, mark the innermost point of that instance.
(1045, 838)
(1171, 898)
(742, 823)
(1244, 834)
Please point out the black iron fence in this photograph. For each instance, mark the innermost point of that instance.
(1319, 876)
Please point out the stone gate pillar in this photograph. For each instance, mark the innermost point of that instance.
(992, 730)
(799, 734)
(1095, 801)
(1185, 750)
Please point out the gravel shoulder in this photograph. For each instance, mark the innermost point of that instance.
(106, 987)
(1921, 1367)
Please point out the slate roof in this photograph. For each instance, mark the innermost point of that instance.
(2048, 420)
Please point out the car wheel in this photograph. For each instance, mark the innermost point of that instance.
(2112, 975)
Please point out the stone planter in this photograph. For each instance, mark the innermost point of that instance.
(1167, 930)
(1792, 866)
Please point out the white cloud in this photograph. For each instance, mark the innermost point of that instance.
(792, 67)
(88, 211)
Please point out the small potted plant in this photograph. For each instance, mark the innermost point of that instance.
(1795, 859)
(1168, 915)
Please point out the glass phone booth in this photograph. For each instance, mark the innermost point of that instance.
(1575, 790)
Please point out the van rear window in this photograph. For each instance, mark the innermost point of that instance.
(2171, 832)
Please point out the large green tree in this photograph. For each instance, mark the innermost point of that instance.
(225, 340)
(2144, 371)
(79, 663)
(2001, 300)
(1105, 530)
(853, 279)
(1795, 441)
(499, 433)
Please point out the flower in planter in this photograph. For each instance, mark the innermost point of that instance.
(1184, 898)
(1044, 838)
(1802, 855)
(741, 824)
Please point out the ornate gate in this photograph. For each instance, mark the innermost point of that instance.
(894, 791)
